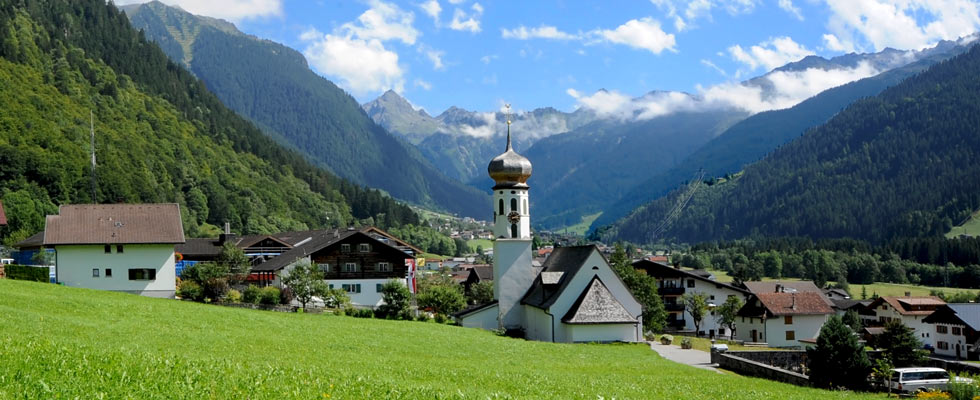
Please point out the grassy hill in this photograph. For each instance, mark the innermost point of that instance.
(59, 342)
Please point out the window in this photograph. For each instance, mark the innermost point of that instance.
(940, 329)
(324, 267)
(513, 231)
(364, 247)
(384, 267)
(95, 272)
(690, 283)
(345, 248)
(956, 330)
(377, 288)
(788, 320)
(108, 249)
(330, 286)
(712, 297)
(350, 267)
(108, 272)
(119, 248)
(142, 274)
(500, 205)
(790, 335)
(352, 287)
(942, 345)
(513, 204)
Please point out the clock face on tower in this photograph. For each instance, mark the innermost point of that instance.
(514, 217)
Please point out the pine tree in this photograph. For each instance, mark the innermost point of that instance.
(900, 345)
(838, 360)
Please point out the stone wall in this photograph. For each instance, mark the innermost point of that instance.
(954, 366)
(733, 361)
(791, 360)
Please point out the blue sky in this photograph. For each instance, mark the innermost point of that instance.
(480, 54)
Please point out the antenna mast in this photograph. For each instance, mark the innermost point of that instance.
(91, 122)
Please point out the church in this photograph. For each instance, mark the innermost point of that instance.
(575, 296)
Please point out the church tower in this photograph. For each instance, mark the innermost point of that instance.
(512, 271)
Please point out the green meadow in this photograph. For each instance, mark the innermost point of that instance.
(58, 342)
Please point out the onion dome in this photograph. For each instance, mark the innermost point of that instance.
(509, 170)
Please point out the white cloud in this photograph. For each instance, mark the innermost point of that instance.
(787, 5)
(487, 58)
(433, 9)
(832, 43)
(541, 32)
(685, 13)
(434, 56)
(644, 33)
(363, 66)
(467, 21)
(422, 84)
(383, 21)
(770, 54)
(232, 10)
(903, 24)
(355, 54)
(778, 90)
(714, 67)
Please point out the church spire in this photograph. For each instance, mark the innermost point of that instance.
(509, 148)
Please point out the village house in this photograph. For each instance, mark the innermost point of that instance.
(353, 260)
(476, 274)
(674, 282)
(909, 310)
(782, 318)
(574, 297)
(118, 247)
(956, 330)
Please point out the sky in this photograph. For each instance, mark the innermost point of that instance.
(480, 54)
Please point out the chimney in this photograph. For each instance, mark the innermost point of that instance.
(779, 288)
(793, 304)
(908, 294)
(227, 236)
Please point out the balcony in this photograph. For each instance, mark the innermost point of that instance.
(670, 291)
(674, 307)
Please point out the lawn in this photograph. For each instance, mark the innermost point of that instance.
(881, 288)
(969, 227)
(581, 227)
(59, 342)
(486, 243)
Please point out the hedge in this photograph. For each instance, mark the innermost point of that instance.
(26, 273)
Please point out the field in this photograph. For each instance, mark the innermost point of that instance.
(969, 227)
(581, 227)
(59, 342)
(880, 288)
(487, 244)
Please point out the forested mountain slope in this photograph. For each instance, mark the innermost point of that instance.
(160, 135)
(903, 163)
(272, 85)
(751, 139)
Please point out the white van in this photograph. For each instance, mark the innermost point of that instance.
(6, 261)
(911, 380)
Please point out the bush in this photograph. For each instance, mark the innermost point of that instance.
(666, 339)
(396, 299)
(686, 343)
(269, 295)
(442, 299)
(350, 311)
(963, 390)
(233, 296)
(252, 294)
(190, 290)
(838, 360)
(215, 288)
(423, 317)
(26, 273)
(441, 319)
(362, 313)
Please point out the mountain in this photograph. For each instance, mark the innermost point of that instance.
(273, 86)
(397, 115)
(461, 142)
(160, 136)
(901, 164)
(581, 172)
(751, 139)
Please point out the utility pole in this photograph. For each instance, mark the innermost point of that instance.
(91, 122)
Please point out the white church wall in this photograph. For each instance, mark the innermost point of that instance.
(513, 276)
(595, 265)
(538, 324)
(602, 333)
(483, 319)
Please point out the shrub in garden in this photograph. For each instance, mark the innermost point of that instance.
(251, 294)
(396, 299)
(233, 296)
(269, 296)
(441, 319)
(190, 290)
(26, 273)
(423, 317)
(666, 339)
(686, 343)
(442, 299)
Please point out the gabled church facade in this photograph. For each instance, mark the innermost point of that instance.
(574, 297)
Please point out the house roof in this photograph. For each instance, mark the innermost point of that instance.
(757, 287)
(114, 224)
(837, 291)
(316, 243)
(252, 240)
(659, 270)
(964, 313)
(206, 247)
(3, 216)
(782, 303)
(847, 304)
(378, 231)
(35, 240)
(920, 305)
(567, 260)
(475, 308)
(597, 305)
(484, 272)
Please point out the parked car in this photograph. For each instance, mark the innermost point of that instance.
(911, 380)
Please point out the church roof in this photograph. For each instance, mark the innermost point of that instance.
(510, 170)
(597, 305)
(564, 260)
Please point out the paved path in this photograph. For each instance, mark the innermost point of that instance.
(694, 358)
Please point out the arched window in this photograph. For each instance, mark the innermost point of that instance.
(513, 204)
(501, 206)
(513, 231)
